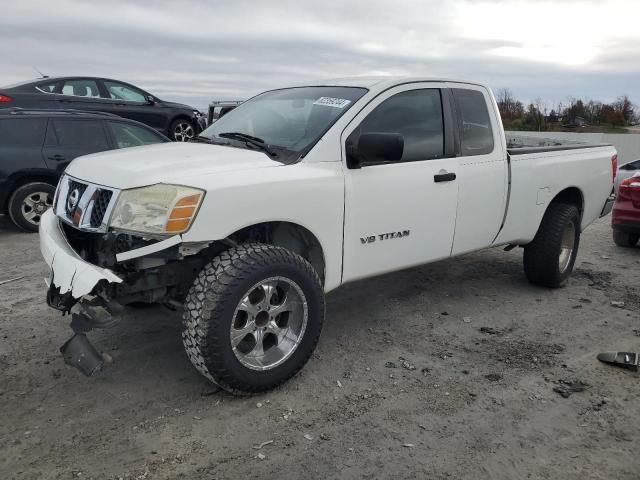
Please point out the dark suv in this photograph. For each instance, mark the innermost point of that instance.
(179, 122)
(37, 145)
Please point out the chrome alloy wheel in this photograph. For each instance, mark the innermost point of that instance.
(34, 205)
(567, 245)
(183, 132)
(269, 323)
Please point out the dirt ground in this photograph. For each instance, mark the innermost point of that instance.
(443, 371)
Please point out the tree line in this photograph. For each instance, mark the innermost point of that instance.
(574, 112)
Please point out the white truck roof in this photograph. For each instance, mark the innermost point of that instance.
(379, 83)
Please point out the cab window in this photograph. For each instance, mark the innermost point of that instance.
(474, 123)
(417, 116)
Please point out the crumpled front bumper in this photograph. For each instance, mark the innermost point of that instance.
(69, 272)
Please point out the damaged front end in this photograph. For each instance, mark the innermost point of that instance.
(94, 275)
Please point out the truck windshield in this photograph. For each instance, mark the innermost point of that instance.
(289, 122)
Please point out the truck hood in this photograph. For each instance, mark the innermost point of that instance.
(164, 163)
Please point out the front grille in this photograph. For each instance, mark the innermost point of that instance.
(74, 186)
(84, 205)
(101, 201)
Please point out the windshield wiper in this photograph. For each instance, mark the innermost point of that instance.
(250, 139)
(201, 139)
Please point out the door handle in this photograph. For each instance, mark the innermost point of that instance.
(444, 177)
(57, 158)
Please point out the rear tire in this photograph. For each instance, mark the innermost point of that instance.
(28, 203)
(549, 258)
(625, 239)
(234, 317)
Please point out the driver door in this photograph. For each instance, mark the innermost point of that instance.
(402, 213)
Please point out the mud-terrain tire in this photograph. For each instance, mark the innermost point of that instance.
(549, 258)
(220, 299)
(28, 202)
(625, 239)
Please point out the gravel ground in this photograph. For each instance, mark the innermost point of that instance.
(443, 371)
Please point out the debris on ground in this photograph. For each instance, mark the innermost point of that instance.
(308, 436)
(261, 456)
(628, 360)
(617, 304)
(9, 280)
(406, 365)
(566, 387)
(408, 445)
(263, 444)
(107, 359)
(339, 383)
(466, 319)
(490, 331)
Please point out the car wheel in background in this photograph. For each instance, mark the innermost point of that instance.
(624, 239)
(29, 202)
(549, 258)
(182, 130)
(252, 317)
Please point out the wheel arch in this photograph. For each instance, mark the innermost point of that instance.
(289, 235)
(571, 196)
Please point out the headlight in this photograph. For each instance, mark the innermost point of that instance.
(158, 209)
(197, 113)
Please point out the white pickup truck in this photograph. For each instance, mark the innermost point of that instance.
(296, 192)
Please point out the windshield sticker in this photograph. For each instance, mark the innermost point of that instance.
(332, 102)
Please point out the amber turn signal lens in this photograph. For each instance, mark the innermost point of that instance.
(182, 213)
(177, 226)
(191, 200)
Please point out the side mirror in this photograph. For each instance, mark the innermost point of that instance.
(151, 100)
(375, 148)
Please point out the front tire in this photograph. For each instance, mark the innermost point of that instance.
(625, 239)
(549, 258)
(253, 317)
(29, 202)
(182, 130)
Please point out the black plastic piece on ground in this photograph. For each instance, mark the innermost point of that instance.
(79, 353)
(628, 360)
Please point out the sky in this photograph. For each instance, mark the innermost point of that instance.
(195, 51)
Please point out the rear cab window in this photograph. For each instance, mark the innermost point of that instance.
(22, 132)
(474, 122)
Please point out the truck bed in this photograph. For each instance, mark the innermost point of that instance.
(522, 144)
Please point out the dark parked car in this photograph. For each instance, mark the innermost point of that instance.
(179, 122)
(37, 145)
